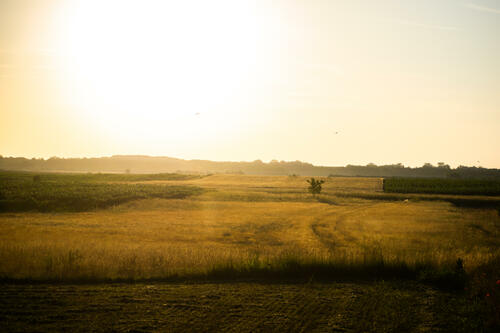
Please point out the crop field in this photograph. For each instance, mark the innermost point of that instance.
(171, 252)
(442, 186)
(55, 192)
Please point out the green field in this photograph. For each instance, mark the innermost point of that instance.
(74, 192)
(303, 262)
(442, 186)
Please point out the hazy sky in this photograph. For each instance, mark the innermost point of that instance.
(327, 82)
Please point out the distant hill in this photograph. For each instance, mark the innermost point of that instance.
(149, 164)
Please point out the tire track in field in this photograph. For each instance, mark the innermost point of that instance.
(320, 227)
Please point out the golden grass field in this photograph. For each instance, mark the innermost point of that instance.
(240, 221)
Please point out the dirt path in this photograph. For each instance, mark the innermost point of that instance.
(223, 307)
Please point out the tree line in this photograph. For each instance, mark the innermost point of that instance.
(147, 164)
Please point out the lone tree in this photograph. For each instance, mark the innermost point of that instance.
(315, 186)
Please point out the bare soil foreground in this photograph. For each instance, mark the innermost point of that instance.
(233, 307)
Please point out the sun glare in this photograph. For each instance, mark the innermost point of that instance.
(133, 61)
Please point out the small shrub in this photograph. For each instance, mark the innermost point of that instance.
(315, 186)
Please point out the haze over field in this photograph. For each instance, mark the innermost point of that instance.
(250, 165)
(327, 82)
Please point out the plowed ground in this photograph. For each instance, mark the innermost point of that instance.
(230, 307)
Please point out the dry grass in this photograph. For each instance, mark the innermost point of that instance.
(282, 184)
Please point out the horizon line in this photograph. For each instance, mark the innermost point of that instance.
(248, 161)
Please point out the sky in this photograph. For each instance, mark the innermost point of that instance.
(326, 82)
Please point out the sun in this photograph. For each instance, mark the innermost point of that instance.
(129, 61)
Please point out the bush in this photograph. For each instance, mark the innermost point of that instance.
(315, 186)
